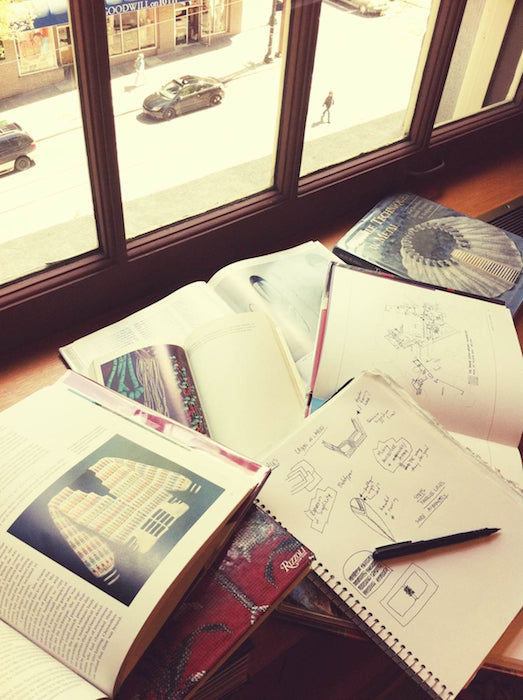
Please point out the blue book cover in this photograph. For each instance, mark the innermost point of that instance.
(417, 239)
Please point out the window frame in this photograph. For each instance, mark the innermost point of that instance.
(293, 210)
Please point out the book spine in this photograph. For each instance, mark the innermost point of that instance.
(352, 259)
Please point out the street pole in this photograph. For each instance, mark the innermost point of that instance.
(272, 21)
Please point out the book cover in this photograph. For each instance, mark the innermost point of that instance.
(421, 240)
(260, 566)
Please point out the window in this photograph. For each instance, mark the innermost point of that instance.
(163, 199)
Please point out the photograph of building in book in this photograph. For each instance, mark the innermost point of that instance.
(112, 519)
(160, 378)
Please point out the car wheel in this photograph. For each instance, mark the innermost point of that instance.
(23, 163)
(216, 99)
(169, 113)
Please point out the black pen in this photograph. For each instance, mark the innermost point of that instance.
(400, 549)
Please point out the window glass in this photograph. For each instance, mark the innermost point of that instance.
(208, 144)
(367, 59)
(487, 62)
(46, 209)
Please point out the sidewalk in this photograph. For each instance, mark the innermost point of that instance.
(55, 109)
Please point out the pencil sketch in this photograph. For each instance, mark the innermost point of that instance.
(419, 328)
(366, 575)
(410, 594)
(302, 475)
(320, 508)
(369, 517)
(398, 453)
(349, 445)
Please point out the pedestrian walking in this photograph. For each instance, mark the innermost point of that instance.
(327, 104)
(139, 67)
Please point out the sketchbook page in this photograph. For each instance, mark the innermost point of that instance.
(286, 285)
(166, 321)
(505, 459)
(459, 357)
(28, 673)
(98, 518)
(369, 468)
(250, 390)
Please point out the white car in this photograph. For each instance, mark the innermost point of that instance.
(368, 7)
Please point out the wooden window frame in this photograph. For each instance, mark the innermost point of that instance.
(295, 209)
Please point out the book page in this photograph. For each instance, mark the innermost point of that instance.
(28, 673)
(250, 390)
(459, 357)
(166, 321)
(503, 458)
(85, 558)
(370, 468)
(286, 285)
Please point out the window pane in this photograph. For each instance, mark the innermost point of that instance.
(487, 63)
(197, 113)
(46, 209)
(367, 56)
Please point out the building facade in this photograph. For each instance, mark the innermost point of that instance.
(43, 55)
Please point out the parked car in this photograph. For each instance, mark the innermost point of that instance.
(15, 145)
(187, 94)
(368, 7)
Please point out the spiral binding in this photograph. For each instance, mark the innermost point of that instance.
(373, 628)
(370, 625)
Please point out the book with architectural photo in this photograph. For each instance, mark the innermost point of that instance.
(107, 521)
(230, 357)
(421, 240)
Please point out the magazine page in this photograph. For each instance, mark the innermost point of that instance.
(286, 285)
(29, 673)
(166, 321)
(458, 356)
(102, 522)
(251, 393)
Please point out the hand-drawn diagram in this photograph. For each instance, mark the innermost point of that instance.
(361, 571)
(320, 508)
(302, 475)
(349, 445)
(420, 328)
(410, 594)
(393, 453)
(370, 517)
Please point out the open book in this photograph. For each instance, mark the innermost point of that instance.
(370, 467)
(201, 356)
(458, 356)
(105, 523)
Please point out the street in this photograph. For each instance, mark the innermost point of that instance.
(369, 63)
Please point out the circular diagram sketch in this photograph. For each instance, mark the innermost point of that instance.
(464, 254)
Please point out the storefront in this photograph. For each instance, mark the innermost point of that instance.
(43, 55)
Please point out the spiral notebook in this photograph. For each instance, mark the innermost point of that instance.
(371, 467)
